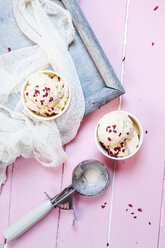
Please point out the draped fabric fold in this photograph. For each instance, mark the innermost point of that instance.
(19, 134)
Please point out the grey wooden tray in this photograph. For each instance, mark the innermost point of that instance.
(99, 82)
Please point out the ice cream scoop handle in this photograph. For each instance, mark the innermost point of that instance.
(27, 221)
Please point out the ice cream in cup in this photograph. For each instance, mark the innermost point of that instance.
(46, 95)
(118, 135)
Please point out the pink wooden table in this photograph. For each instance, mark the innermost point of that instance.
(133, 37)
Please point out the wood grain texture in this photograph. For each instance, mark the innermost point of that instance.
(161, 232)
(137, 181)
(5, 203)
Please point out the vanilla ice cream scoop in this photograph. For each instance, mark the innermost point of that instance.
(46, 94)
(118, 134)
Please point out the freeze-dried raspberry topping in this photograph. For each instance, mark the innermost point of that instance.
(117, 132)
(46, 95)
(51, 99)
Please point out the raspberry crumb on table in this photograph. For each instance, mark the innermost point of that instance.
(156, 8)
(130, 205)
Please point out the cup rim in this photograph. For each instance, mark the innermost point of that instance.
(140, 142)
(38, 117)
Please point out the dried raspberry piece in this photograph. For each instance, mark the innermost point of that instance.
(130, 205)
(149, 223)
(52, 108)
(156, 8)
(139, 209)
(135, 217)
(9, 49)
(117, 149)
(52, 114)
(153, 43)
(47, 88)
(114, 126)
(35, 100)
(42, 102)
(127, 133)
(111, 153)
(27, 93)
(110, 131)
(37, 86)
(146, 131)
(46, 94)
(37, 92)
(109, 138)
(115, 154)
(122, 144)
(107, 128)
(123, 59)
(51, 99)
(114, 131)
(120, 134)
(123, 150)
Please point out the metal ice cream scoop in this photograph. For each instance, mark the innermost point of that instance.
(89, 178)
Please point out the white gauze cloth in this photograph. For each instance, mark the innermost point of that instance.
(19, 134)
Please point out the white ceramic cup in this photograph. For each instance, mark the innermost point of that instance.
(104, 152)
(35, 116)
